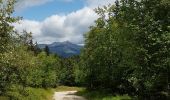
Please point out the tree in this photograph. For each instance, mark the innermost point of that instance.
(20, 64)
(128, 49)
(151, 35)
(6, 20)
(6, 35)
(67, 70)
(49, 66)
(105, 59)
(37, 50)
(46, 49)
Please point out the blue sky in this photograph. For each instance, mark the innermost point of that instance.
(43, 11)
(57, 20)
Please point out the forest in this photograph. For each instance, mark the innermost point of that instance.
(126, 52)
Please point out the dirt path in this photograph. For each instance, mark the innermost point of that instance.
(67, 95)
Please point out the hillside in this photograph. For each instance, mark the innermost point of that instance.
(63, 49)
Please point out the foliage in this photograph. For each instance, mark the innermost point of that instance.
(29, 93)
(7, 31)
(7, 47)
(67, 70)
(68, 88)
(127, 50)
(151, 38)
(106, 59)
(49, 65)
(46, 49)
(21, 62)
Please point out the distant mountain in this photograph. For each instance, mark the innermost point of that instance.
(63, 49)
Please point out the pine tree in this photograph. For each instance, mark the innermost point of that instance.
(46, 49)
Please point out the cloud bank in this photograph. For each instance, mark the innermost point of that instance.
(69, 27)
(96, 3)
(59, 28)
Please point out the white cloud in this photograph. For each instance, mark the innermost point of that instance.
(29, 26)
(67, 0)
(70, 27)
(96, 3)
(59, 28)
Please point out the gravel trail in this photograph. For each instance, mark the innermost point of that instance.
(67, 95)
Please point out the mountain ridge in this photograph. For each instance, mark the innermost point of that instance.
(64, 49)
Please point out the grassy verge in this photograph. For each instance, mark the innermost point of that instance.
(67, 88)
(47, 94)
(3, 98)
(40, 94)
(37, 93)
(102, 95)
(93, 95)
(30, 94)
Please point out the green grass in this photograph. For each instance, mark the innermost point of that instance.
(30, 94)
(3, 98)
(102, 95)
(47, 94)
(40, 94)
(67, 88)
(93, 95)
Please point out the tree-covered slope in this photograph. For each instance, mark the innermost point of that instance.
(63, 49)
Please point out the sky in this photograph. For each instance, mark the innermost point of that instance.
(57, 20)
